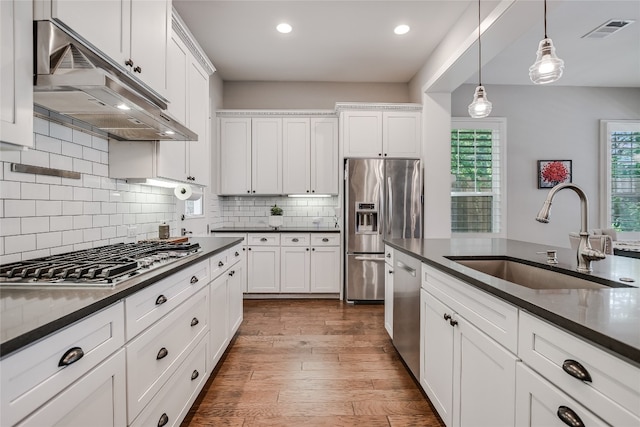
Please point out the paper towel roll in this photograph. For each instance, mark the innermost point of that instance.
(185, 192)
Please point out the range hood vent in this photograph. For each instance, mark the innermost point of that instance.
(74, 80)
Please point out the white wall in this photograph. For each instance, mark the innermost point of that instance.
(308, 95)
(551, 122)
(43, 215)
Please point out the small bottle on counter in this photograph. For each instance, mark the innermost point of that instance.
(163, 231)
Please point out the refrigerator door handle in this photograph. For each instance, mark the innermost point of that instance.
(369, 258)
(389, 205)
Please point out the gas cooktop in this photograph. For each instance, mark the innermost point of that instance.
(103, 266)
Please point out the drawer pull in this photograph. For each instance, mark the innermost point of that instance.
(194, 321)
(453, 323)
(220, 264)
(447, 316)
(164, 419)
(237, 254)
(389, 255)
(162, 353)
(324, 239)
(569, 417)
(232, 272)
(71, 356)
(295, 239)
(193, 280)
(195, 374)
(161, 300)
(263, 239)
(576, 370)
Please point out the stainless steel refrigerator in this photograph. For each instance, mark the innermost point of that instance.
(383, 199)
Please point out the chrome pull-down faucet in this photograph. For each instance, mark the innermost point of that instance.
(585, 253)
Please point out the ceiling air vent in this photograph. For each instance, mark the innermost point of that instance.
(608, 28)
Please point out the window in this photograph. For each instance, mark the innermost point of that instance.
(478, 176)
(620, 201)
(194, 207)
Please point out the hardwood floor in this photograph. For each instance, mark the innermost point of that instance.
(311, 363)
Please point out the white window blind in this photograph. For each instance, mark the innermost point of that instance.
(477, 177)
(623, 176)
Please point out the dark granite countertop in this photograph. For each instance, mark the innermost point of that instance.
(273, 230)
(28, 314)
(608, 317)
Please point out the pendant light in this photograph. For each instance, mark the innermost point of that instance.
(548, 67)
(480, 107)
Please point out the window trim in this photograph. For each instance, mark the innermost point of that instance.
(499, 124)
(606, 127)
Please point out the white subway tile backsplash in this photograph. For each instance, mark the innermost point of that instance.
(36, 254)
(82, 221)
(22, 243)
(49, 180)
(100, 143)
(71, 208)
(100, 220)
(48, 240)
(82, 166)
(31, 191)
(15, 176)
(72, 237)
(115, 219)
(100, 169)
(9, 226)
(34, 224)
(35, 158)
(19, 208)
(100, 195)
(91, 208)
(91, 235)
(60, 223)
(48, 144)
(82, 193)
(61, 250)
(91, 154)
(48, 207)
(108, 207)
(108, 232)
(60, 192)
(81, 138)
(57, 161)
(57, 130)
(71, 150)
(40, 126)
(91, 181)
(104, 158)
(10, 190)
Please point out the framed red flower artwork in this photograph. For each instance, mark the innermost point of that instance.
(553, 172)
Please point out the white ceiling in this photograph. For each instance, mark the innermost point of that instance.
(353, 41)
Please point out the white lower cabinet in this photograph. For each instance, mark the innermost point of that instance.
(97, 399)
(263, 269)
(295, 264)
(540, 404)
(325, 269)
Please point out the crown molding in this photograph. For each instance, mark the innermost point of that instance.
(369, 106)
(276, 113)
(178, 25)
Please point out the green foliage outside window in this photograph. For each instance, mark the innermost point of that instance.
(625, 181)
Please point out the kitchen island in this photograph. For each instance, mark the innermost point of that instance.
(555, 351)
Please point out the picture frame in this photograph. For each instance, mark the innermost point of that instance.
(554, 172)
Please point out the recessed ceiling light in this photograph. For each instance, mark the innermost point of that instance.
(401, 29)
(284, 28)
(124, 107)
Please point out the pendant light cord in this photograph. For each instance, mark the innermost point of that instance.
(545, 19)
(480, 49)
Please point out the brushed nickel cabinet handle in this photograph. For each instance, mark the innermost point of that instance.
(324, 239)
(193, 280)
(569, 417)
(161, 300)
(576, 370)
(295, 240)
(263, 239)
(194, 321)
(195, 374)
(71, 356)
(164, 419)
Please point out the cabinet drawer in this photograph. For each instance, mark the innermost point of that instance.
(218, 264)
(235, 255)
(295, 239)
(389, 255)
(538, 402)
(270, 239)
(236, 235)
(144, 308)
(328, 239)
(613, 392)
(176, 397)
(32, 376)
(493, 316)
(97, 399)
(154, 356)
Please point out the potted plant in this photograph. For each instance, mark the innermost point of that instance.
(275, 219)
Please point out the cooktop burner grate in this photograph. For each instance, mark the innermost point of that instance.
(102, 266)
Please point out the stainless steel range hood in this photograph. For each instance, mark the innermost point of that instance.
(74, 80)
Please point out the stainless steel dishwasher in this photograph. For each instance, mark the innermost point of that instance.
(406, 310)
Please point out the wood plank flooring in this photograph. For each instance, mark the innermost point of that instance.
(311, 363)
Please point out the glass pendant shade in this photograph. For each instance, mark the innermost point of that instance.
(480, 107)
(548, 67)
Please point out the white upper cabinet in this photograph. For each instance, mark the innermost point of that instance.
(188, 88)
(132, 33)
(16, 71)
(310, 155)
(384, 130)
(266, 156)
(235, 155)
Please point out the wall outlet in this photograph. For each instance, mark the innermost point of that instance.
(131, 231)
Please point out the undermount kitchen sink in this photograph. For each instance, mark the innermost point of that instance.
(529, 276)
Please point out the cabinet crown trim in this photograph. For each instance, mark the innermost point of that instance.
(366, 106)
(276, 113)
(178, 25)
